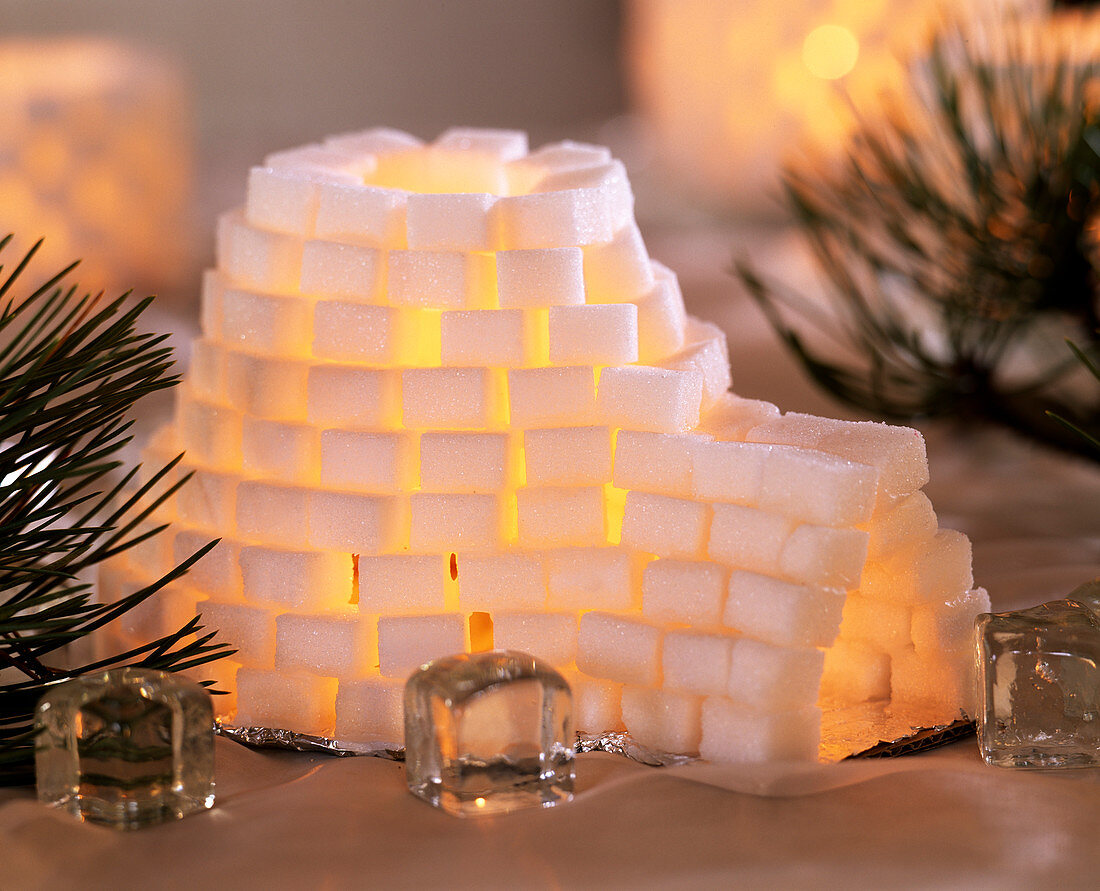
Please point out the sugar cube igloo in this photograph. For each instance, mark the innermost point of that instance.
(444, 400)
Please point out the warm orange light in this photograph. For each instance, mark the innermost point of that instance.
(830, 52)
(480, 802)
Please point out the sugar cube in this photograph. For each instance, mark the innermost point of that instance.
(206, 372)
(371, 709)
(664, 720)
(597, 703)
(618, 270)
(373, 141)
(941, 686)
(496, 581)
(662, 319)
(641, 397)
(697, 661)
(209, 500)
(459, 222)
(620, 648)
(344, 271)
(782, 612)
(407, 642)
(686, 591)
(353, 396)
(265, 323)
(732, 472)
(210, 303)
(464, 461)
(706, 353)
(668, 527)
(402, 583)
(524, 174)
(562, 218)
(267, 387)
(362, 214)
(765, 676)
(590, 578)
(747, 538)
(223, 672)
(824, 557)
(279, 449)
(217, 572)
(334, 645)
(551, 397)
(930, 570)
(458, 521)
(370, 462)
(733, 733)
(328, 160)
(501, 145)
(256, 258)
(350, 332)
(284, 199)
(910, 520)
(303, 702)
(210, 433)
(655, 462)
(452, 397)
(606, 184)
(540, 277)
(273, 513)
(545, 635)
(855, 671)
(731, 417)
(817, 487)
(442, 279)
(247, 627)
(359, 524)
(508, 337)
(887, 626)
(296, 579)
(948, 626)
(567, 456)
(164, 612)
(593, 334)
(561, 516)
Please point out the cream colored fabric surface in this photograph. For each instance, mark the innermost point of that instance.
(941, 819)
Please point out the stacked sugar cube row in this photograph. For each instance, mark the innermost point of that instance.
(444, 400)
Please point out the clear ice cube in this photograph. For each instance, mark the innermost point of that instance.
(488, 733)
(127, 747)
(1039, 683)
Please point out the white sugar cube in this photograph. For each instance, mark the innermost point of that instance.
(460, 222)
(910, 520)
(746, 538)
(501, 145)
(250, 629)
(561, 516)
(322, 159)
(524, 174)
(706, 353)
(451, 397)
(154, 555)
(359, 524)
(266, 323)
(455, 521)
(697, 661)
(296, 579)
(373, 141)
(948, 626)
(442, 279)
(898, 452)
(567, 456)
(732, 472)
(494, 581)
(464, 461)
(939, 687)
(655, 462)
(855, 671)
(549, 636)
(662, 319)
(590, 578)
(267, 387)
(824, 557)
(206, 372)
(217, 572)
(554, 219)
(209, 500)
(540, 277)
(439, 169)
(618, 270)
(782, 612)
(209, 433)
(285, 200)
(407, 642)
(402, 583)
(594, 334)
(164, 612)
(735, 734)
(765, 676)
(258, 259)
(508, 337)
(931, 570)
(210, 303)
(371, 710)
(370, 462)
(606, 184)
(551, 397)
(353, 396)
(223, 672)
(626, 649)
(731, 417)
(273, 513)
(888, 626)
(343, 271)
(686, 591)
(289, 452)
(668, 527)
(597, 703)
(302, 702)
(333, 645)
(817, 487)
(352, 332)
(361, 214)
(640, 397)
(664, 720)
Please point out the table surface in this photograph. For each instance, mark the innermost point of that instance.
(937, 819)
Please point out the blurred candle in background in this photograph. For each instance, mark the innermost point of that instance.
(726, 88)
(95, 157)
